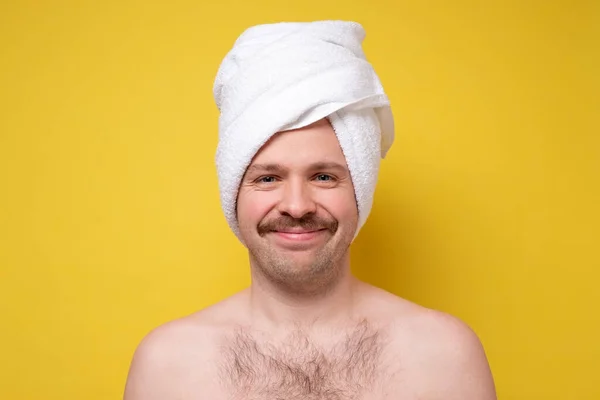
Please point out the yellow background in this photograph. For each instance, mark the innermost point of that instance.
(487, 206)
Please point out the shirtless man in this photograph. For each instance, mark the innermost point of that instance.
(306, 328)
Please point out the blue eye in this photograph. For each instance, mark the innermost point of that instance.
(323, 177)
(266, 179)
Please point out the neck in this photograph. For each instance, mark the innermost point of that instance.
(272, 305)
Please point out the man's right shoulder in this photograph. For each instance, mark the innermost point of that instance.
(173, 352)
(166, 342)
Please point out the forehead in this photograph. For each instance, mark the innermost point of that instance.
(313, 143)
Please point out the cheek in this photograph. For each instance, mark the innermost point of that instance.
(253, 206)
(341, 205)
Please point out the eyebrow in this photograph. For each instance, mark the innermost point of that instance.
(265, 168)
(329, 165)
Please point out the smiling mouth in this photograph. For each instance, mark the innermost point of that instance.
(299, 235)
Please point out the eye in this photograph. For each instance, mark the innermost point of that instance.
(324, 177)
(266, 179)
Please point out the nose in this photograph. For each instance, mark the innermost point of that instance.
(296, 199)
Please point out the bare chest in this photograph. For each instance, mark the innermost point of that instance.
(352, 367)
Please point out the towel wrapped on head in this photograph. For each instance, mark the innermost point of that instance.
(288, 75)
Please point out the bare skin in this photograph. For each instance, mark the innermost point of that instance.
(306, 328)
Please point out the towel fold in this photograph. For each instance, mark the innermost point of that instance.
(288, 75)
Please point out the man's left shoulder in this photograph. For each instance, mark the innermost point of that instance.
(444, 355)
(449, 357)
(446, 336)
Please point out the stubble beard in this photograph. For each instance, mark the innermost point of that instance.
(303, 273)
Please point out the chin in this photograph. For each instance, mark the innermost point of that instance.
(301, 261)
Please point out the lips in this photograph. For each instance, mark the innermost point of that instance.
(299, 235)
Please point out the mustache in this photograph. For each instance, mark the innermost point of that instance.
(308, 222)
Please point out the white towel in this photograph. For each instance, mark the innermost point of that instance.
(287, 75)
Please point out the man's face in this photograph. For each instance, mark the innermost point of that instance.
(297, 210)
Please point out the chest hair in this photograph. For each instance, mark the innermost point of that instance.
(299, 368)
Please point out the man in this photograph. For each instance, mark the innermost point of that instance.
(297, 163)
